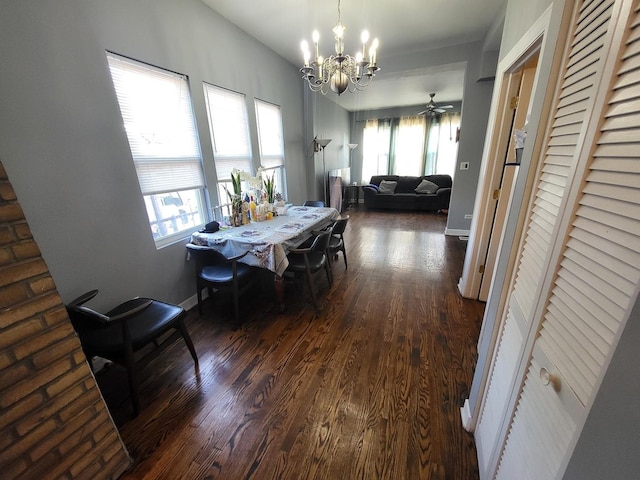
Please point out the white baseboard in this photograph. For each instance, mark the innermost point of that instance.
(465, 414)
(456, 232)
(192, 301)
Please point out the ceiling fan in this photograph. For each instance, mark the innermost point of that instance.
(434, 109)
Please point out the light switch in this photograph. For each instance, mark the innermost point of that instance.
(464, 165)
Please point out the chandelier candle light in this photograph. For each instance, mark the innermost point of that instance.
(339, 71)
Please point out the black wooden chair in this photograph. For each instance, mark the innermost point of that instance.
(125, 329)
(313, 203)
(310, 260)
(336, 243)
(214, 271)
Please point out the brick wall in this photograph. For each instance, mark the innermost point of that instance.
(53, 420)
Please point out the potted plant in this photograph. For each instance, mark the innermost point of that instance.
(270, 187)
(235, 198)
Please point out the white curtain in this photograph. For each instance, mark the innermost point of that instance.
(409, 146)
(442, 145)
(375, 153)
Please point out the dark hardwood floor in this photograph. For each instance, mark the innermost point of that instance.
(369, 387)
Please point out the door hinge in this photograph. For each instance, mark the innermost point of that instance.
(496, 194)
(481, 270)
(514, 102)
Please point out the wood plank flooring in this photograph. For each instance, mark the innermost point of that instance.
(369, 387)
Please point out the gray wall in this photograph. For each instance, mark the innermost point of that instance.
(327, 120)
(473, 128)
(64, 147)
(520, 16)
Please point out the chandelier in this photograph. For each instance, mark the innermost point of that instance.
(339, 72)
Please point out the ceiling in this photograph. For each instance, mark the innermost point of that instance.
(402, 26)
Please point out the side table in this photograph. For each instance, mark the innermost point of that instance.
(353, 195)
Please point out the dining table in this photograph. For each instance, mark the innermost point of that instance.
(268, 242)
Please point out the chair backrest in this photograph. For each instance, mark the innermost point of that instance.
(205, 256)
(314, 203)
(321, 242)
(84, 319)
(340, 225)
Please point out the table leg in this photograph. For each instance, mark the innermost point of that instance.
(278, 283)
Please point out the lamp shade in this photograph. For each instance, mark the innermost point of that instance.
(323, 142)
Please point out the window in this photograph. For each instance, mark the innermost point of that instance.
(376, 142)
(442, 145)
(397, 146)
(158, 117)
(408, 152)
(270, 137)
(229, 130)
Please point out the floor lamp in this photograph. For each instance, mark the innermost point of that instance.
(352, 147)
(320, 143)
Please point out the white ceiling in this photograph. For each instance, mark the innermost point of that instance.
(402, 26)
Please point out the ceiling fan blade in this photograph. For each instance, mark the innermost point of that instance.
(438, 110)
(423, 112)
(445, 106)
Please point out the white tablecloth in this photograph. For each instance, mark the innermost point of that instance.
(268, 242)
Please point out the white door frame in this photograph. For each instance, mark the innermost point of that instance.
(542, 36)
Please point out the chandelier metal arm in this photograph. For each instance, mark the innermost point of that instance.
(339, 72)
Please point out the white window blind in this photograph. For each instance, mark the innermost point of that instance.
(271, 141)
(229, 130)
(270, 134)
(158, 117)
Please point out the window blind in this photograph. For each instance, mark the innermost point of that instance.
(158, 118)
(269, 120)
(229, 130)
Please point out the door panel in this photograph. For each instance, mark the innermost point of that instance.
(536, 428)
(593, 271)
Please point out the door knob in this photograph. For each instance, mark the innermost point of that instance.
(549, 379)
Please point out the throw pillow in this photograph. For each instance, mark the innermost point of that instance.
(426, 187)
(374, 186)
(387, 186)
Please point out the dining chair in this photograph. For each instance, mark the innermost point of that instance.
(336, 242)
(125, 329)
(311, 260)
(214, 271)
(313, 203)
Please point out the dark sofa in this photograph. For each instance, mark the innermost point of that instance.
(404, 196)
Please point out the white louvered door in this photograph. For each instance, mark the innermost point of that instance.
(596, 275)
(583, 60)
(579, 261)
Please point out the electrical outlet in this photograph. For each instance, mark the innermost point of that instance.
(464, 165)
(468, 216)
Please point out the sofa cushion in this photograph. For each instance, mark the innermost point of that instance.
(426, 187)
(387, 186)
(407, 184)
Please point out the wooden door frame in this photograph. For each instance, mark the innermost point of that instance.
(542, 36)
(526, 75)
